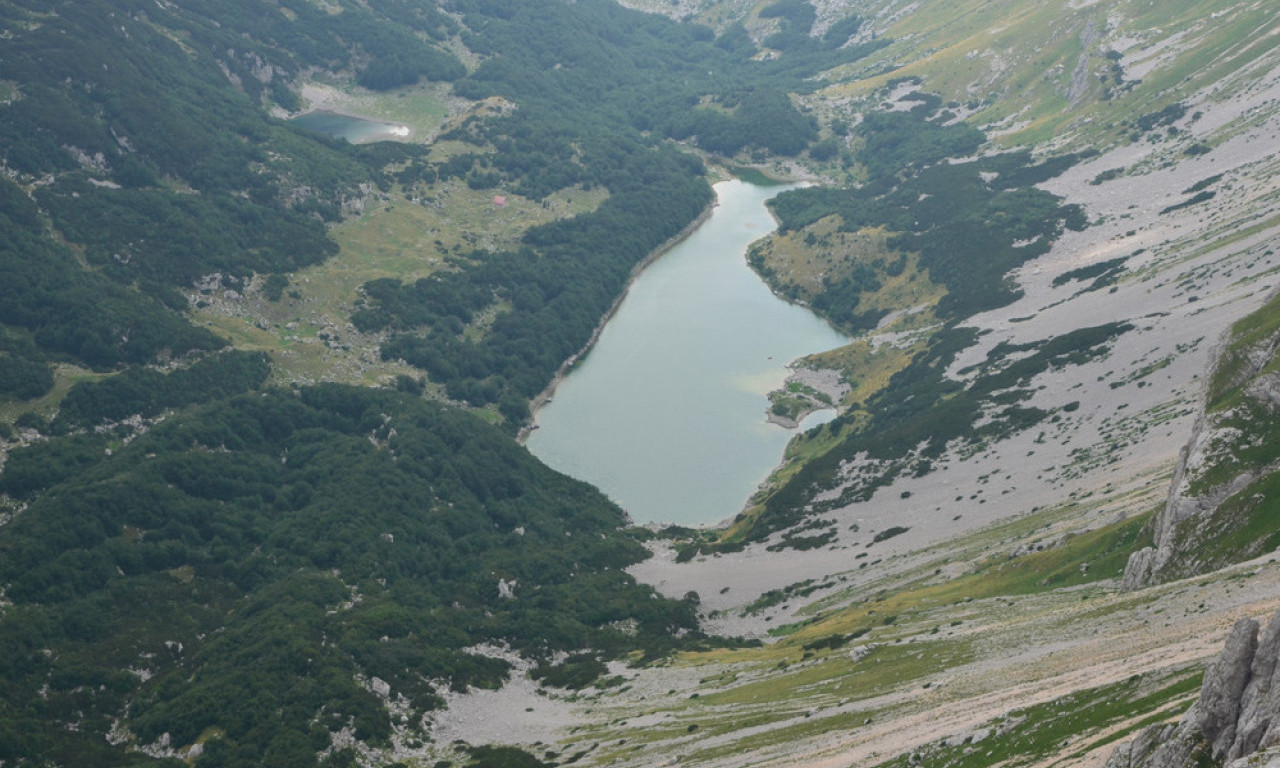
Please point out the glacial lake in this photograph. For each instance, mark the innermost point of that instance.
(666, 413)
(353, 129)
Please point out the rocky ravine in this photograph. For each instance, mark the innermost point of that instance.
(1236, 720)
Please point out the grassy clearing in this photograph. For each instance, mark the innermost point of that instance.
(1081, 559)
(803, 265)
(803, 727)
(774, 696)
(885, 668)
(64, 378)
(865, 366)
(405, 239)
(1049, 560)
(802, 260)
(395, 237)
(1052, 550)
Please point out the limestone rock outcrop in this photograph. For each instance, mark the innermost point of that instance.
(1199, 510)
(1236, 717)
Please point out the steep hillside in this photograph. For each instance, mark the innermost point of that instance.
(1220, 503)
(921, 497)
(254, 578)
(251, 511)
(1187, 181)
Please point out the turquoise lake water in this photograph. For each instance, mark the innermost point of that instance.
(666, 413)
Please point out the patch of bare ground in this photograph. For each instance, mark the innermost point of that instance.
(1027, 650)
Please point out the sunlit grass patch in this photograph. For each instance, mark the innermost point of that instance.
(65, 376)
(306, 331)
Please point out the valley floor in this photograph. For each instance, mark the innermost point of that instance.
(949, 668)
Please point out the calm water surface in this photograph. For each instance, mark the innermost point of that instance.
(666, 414)
(353, 129)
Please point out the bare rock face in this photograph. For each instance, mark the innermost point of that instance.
(1221, 696)
(1267, 759)
(1236, 717)
(1160, 746)
(1258, 726)
(1139, 571)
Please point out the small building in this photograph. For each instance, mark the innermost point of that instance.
(499, 201)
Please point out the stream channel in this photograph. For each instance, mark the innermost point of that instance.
(666, 412)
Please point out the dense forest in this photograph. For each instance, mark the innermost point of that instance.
(252, 560)
(192, 553)
(155, 161)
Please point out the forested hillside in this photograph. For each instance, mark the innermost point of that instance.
(1033, 217)
(198, 558)
(139, 157)
(241, 568)
(597, 87)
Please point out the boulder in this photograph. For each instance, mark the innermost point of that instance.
(1236, 720)
(1260, 703)
(1222, 693)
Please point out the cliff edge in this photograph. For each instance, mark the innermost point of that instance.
(1226, 478)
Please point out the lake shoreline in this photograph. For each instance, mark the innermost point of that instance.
(677, 385)
(387, 130)
(827, 381)
(331, 100)
(549, 391)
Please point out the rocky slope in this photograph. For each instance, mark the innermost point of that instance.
(1236, 716)
(1223, 483)
(1119, 420)
(1190, 271)
(967, 616)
